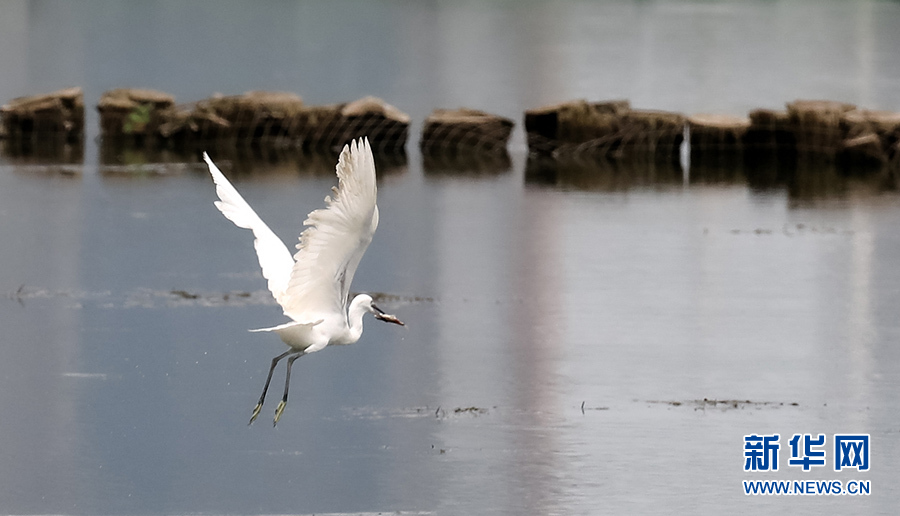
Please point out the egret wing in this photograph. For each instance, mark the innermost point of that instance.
(274, 257)
(335, 239)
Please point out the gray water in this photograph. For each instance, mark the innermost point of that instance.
(569, 336)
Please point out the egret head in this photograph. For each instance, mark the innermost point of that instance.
(370, 305)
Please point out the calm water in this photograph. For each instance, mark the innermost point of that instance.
(564, 328)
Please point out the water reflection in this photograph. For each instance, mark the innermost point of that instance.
(804, 180)
(123, 159)
(466, 163)
(601, 175)
(53, 149)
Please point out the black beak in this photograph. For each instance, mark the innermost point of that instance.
(381, 316)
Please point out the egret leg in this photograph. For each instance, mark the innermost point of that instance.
(262, 398)
(287, 384)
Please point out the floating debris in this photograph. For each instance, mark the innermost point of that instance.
(770, 130)
(469, 410)
(440, 413)
(465, 142)
(816, 125)
(58, 114)
(455, 131)
(152, 298)
(133, 113)
(149, 169)
(373, 413)
(807, 129)
(271, 118)
(44, 129)
(765, 146)
(147, 298)
(282, 120)
(255, 118)
(724, 404)
(870, 139)
(716, 144)
(551, 127)
(651, 133)
(386, 126)
(604, 129)
(187, 295)
(584, 408)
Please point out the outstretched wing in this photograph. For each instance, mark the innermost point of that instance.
(274, 257)
(335, 239)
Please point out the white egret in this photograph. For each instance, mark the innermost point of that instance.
(313, 286)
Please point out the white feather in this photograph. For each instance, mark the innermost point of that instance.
(274, 257)
(335, 239)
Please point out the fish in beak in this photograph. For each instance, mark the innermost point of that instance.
(381, 316)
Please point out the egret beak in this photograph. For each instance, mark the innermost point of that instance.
(381, 316)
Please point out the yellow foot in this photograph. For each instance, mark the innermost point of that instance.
(255, 413)
(278, 411)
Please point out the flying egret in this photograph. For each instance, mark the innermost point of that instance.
(313, 287)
